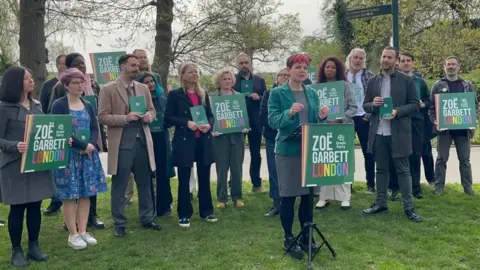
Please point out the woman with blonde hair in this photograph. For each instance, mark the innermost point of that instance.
(191, 143)
(229, 149)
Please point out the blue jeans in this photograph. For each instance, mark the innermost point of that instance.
(272, 169)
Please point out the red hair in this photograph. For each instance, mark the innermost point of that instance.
(298, 58)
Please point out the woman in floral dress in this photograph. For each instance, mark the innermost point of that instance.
(84, 176)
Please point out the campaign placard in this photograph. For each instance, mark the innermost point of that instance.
(105, 66)
(456, 111)
(327, 154)
(229, 114)
(47, 140)
(331, 94)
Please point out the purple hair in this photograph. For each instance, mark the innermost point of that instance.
(70, 74)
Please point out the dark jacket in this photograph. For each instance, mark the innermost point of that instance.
(440, 87)
(422, 88)
(178, 114)
(253, 106)
(405, 101)
(60, 106)
(46, 92)
(16, 187)
(160, 104)
(268, 132)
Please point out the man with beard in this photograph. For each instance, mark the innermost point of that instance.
(358, 75)
(452, 83)
(76, 60)
(244, 65)
(130, 143)
(391, 138)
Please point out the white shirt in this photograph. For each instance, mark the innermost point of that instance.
(359, 91)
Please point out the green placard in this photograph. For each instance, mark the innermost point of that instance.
(93, 101)
(199, 115)
(331, 94)
(246, 87)
(386, 109)
(229, 114)
(83, 134)
(456, 111)
(311, 74)
(157, 125)
(47, 140)
(327, 154)
(138, 104)
(105, 66)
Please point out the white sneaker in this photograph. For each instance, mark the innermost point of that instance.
(345, 205)
(88, 238)
(321, 204)
(76, 242)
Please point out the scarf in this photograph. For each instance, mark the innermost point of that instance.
(88, 86)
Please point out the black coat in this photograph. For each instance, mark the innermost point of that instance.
(46, 92)
(268, 132)
(60, 106)
(178, 114)
(405, 101)
(253, 106)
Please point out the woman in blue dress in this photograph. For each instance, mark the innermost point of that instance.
(84, 176)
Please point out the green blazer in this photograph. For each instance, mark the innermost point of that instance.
(279, 104)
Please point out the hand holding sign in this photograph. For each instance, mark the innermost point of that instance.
(245, 130)
(323, 113)
(204, 128)
(216, 134)
(377, 101)
(22, 147)
(146, 119)
(192, 125)
(133, 116)
(394, 114)
(90, 148)
(255, 96)
(296, 107)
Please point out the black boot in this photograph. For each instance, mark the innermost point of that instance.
(34, 252)
(304, 244)
(18, 260)
(295, 251)
(52, 209)
(275, 210)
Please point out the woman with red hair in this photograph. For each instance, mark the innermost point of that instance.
(290, 105)
(331, 69)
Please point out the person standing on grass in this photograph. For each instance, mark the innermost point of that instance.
(84, 176)
(452, 83)
(161, 146)
(358, 75)
(269, 134)
(331, 69)
(192, 143)
(418, 128)
(229, 149)
(24, 192)
(391, 139)
(75, 60)
(289, 106)
(130, 143)
(244, 65)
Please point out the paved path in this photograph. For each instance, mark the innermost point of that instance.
(453, 175)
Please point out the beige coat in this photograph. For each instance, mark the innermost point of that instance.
(112, 112)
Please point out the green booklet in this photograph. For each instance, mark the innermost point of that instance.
(138, 104)
(93, 101)
(83, 134)
(199, 115)
(386, 109)
(247, 87)
(157, 125)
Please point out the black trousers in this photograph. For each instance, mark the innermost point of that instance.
(362, 127)
(15, 222)
(428, 163)
(287, 213)
(163, 198)
(254, 142)
(184, 208)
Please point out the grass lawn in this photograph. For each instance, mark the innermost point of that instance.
(243, 239)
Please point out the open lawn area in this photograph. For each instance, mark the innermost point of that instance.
(448, 238)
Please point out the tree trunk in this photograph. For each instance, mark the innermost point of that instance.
(33, 54)
(163, 40)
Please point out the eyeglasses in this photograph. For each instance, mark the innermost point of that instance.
(77, 83)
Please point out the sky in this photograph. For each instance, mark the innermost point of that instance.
(309, 11)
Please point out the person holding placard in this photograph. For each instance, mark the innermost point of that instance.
(229, 148)
(450, 84)
(24, 192)
(161, 146)
(331, 69)
(358, 75)
(390, 136)
(189, 111)
(84, 176)
(126, 108)
(289, 106)
(253, 88)
(269, 134)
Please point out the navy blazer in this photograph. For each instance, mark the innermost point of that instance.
(253, 106)
(60, 106)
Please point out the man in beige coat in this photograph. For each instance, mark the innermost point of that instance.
(129, 143)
